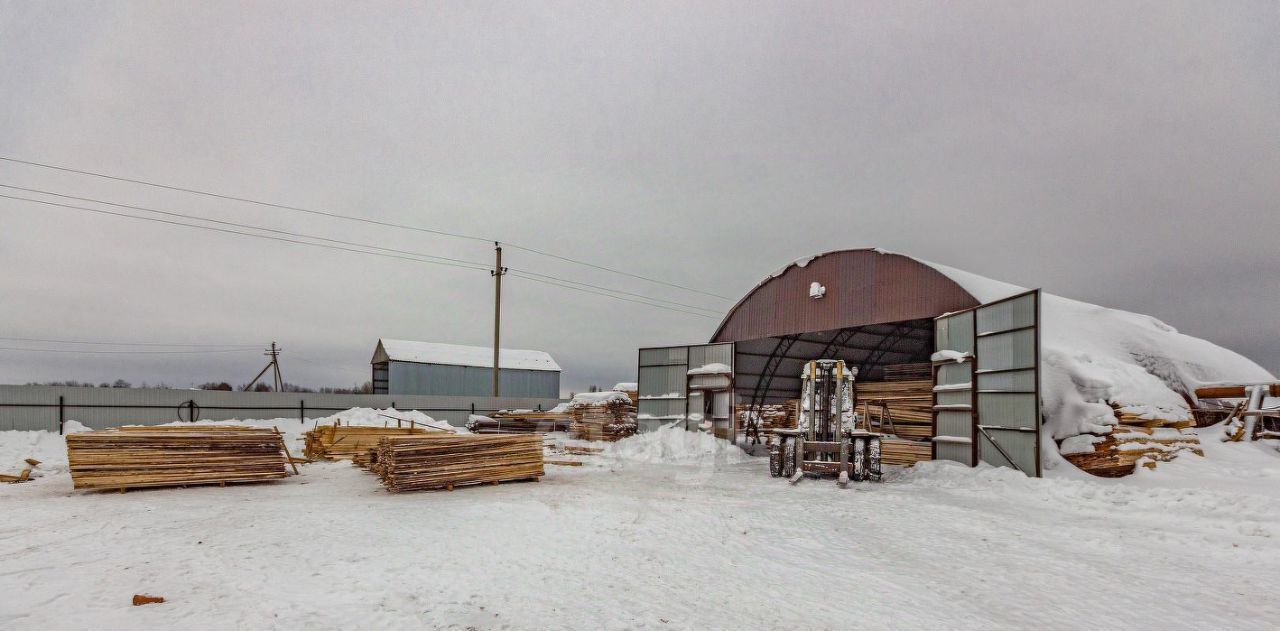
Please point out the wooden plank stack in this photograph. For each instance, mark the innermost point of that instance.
(897, 451)
(443, 461)
(909, 405)
(135, 457)
(349, 442)
(521, 422)
(1142, 435)
(908, 372)
(610, 419)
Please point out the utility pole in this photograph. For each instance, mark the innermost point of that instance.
(274, 366)
(497, 273)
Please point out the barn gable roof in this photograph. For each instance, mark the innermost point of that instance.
(459, 355)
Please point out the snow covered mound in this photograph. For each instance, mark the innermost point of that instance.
(47, 447)
(1094, 360)
(672, 444)
(1093, 356)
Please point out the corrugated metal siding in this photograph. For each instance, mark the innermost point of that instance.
(442, 380)
(863, 287)
(165, 405)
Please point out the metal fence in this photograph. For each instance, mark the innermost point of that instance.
(48, 407)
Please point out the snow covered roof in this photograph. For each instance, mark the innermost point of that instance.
(459, 355)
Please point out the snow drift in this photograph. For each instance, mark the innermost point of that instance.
(672, 444)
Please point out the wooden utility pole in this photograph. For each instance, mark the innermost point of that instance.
(497, 273)
(273, 365)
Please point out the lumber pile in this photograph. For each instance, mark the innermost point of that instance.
(1117, 454)
(901, 408)
(520, 422)
(135, 457)
(443, 461)
(632, 391)
(897, 451)
(349, 442)
(1143, 436)
(908, 372)
(607, 416)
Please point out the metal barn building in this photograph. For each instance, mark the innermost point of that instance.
(407, 367)
(874, 310)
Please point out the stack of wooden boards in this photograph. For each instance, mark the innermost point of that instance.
(908, 372)
(520, 422)
(134, 457)
(902, 408)
(1142, 435)
(349, 442)
(443, 461)
(606, 417)
(897, 451)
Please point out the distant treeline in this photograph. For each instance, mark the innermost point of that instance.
(365, 388)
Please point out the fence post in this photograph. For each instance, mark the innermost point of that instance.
(191, 410)
(62, 414)
(302, 410)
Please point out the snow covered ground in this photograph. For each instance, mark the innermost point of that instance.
(664, 532)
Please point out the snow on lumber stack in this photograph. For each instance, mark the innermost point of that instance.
(441, 461)
(349, 442)
(133, 457)
(602, 416)
(520, 422)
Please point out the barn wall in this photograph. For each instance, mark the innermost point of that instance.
(438, 379)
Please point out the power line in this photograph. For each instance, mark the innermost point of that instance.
(588, 291)
(527, 275)
(333, 215)
(247, 234)
(410, 256)
(475, 264)
(36, 339)
(79, 351)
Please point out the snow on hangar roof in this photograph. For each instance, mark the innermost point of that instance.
(459, 355)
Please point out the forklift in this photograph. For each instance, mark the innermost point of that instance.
(826, 440)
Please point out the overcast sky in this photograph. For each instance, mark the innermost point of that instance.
(1126, 154)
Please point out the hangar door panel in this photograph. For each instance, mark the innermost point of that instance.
(987, 388)
(1007, 371)
(953, 388)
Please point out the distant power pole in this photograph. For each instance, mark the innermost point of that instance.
(274, 366)
(497, 273)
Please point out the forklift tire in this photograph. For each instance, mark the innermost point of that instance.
(775, 460)
(789, 459)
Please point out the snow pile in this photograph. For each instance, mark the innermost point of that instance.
(626, 386)
(672, 444)
(47, 447)
(371, 417)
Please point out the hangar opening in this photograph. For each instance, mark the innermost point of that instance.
(942, 375)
